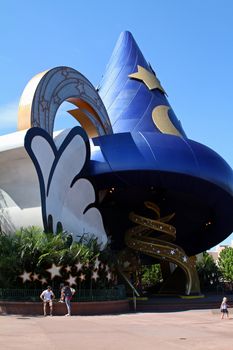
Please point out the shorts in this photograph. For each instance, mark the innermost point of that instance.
(224, 311)
(50, 302)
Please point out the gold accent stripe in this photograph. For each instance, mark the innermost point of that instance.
(138, 238)
(25, 103)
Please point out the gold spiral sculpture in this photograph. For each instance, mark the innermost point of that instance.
(139, 238)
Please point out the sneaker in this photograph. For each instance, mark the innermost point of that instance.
(67, 315)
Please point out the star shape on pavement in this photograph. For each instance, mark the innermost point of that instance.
(184, 258)
(71, 280)
(25, 276)
(79, 266)
(54, 271)
(148, 78)
(172, 252)
(43, 280)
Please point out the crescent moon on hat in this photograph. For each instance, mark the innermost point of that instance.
(162, 121)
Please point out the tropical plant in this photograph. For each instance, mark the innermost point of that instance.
(208, 272)
(225, 263)
(32, 250)
(151, 275)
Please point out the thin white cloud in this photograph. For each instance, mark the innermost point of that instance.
(8, 117)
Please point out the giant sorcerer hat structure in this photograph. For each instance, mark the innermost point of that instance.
(149, 149)
(150, 156)
(160, 193)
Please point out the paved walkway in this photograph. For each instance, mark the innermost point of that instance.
(193, 330)
(172, 304)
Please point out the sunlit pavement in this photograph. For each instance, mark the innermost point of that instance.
(202, 329)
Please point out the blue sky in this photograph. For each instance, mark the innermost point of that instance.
(188, 43)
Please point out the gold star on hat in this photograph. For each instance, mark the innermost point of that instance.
(148, 78)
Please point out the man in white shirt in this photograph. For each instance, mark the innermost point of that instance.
(47, 296)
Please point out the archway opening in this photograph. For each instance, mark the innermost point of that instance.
(64, 120)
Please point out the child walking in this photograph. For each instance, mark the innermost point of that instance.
(224, 308)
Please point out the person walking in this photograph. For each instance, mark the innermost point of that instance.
(66, 295)
(224, 308)
(47, 296)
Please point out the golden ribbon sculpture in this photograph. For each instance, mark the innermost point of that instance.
(138, 238)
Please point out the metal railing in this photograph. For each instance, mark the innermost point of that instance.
(115, 293)
(134, 290)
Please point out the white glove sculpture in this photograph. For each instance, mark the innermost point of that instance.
(67, 199)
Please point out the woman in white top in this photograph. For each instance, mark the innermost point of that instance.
(47, 296)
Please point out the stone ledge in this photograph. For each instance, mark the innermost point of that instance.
(78, 308)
